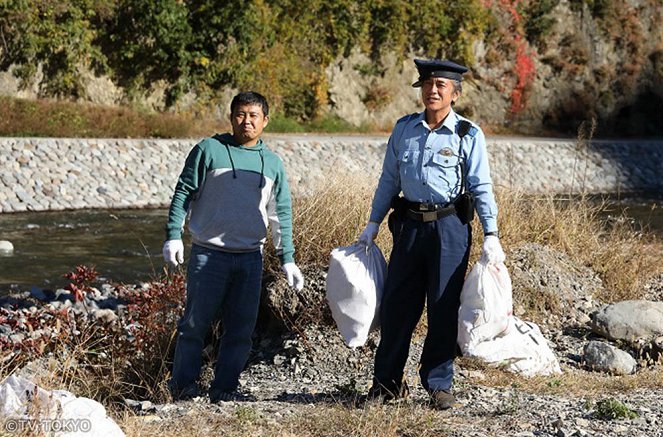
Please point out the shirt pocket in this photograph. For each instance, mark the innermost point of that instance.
(446, 168)
(446, 161)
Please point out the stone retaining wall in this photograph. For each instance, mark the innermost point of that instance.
(39, 174)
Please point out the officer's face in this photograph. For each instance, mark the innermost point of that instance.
(248, 122)
(438, 93)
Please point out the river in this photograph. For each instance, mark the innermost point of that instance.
(125, 245)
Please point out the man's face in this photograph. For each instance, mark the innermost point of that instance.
(438, 93)
(248, 122)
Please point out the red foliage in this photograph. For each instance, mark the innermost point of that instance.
(35, 333)
(80, 281)
(524, 62)
(154, 312)
(524, 74)
(511, 6)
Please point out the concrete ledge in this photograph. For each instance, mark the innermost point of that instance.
(38, 174)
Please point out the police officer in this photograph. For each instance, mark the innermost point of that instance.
(434, 158)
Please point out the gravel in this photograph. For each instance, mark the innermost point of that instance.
(290, 372)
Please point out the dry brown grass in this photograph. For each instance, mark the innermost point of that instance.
(334, 215)
(623, 257)
(572, 382)
(63, 119)
(307, 420)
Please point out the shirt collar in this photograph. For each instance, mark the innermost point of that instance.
(449, 122)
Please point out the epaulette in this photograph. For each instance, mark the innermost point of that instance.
(466, 128)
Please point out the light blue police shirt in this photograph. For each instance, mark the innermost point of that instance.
(424, 165)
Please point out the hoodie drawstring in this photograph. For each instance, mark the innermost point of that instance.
(232, 164)
(261, 183)
(262, 170)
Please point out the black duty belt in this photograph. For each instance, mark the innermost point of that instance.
(428, 212)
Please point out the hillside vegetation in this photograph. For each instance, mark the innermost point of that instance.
(535, 64)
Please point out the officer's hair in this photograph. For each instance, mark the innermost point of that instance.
(458, 86)
(249, 98)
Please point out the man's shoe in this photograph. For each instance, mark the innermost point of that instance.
(379, 392)
(216, 397)
(222, 396)
(184, 394)
(442, 399)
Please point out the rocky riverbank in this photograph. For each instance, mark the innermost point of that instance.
(300, 366)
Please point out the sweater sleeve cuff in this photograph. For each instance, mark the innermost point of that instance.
(287, 258)
(173, 234)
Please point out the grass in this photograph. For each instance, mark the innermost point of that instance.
(623, 257)
(65, 119)
(611, 408)
(325, 124)
(312, 420)
(62, 119)
(334, 216)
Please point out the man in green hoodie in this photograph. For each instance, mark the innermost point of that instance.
(232, 187)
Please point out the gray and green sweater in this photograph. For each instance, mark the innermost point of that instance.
(232, 193)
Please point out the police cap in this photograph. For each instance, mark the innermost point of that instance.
(438, 68)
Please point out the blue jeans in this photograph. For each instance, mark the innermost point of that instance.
(219, 285)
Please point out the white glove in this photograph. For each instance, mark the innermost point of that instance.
(492, 250)
(293, 275)
(173, 252)
(369, 233)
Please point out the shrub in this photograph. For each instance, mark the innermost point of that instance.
(50, 118)
(537, 20)
(281, 49)
(611, 408)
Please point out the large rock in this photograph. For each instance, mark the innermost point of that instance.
(629, 320)
(604, 357)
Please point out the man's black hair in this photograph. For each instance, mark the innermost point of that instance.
(249, 98)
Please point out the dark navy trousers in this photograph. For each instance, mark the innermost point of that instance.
(427, 266)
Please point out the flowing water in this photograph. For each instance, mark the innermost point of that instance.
(125, 245)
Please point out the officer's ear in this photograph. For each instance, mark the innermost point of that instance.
(455, 96)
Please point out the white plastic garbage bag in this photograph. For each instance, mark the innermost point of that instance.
(30, 409)
(355, 281)
(522, 349)
(486, 305)
(487, 328)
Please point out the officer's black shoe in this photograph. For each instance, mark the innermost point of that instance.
(380, 393)
(442, 400)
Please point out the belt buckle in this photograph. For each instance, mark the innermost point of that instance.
(429, 216)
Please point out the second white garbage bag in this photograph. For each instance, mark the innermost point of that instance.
(523, 349)
(355, 281)
(488, 330)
